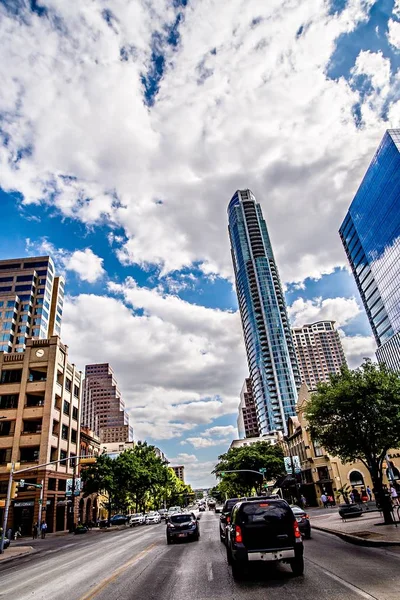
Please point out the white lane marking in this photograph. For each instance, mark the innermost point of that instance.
(345, 583)
(210, 573)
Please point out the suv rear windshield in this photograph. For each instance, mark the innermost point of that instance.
(265, 512)
(229, 504)
(181, 518)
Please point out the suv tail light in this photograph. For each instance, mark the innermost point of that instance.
(297, 533)
(238, 535)
(228, 519)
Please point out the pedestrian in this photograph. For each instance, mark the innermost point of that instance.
(43, 529)
(364, 495)
(393, 493)
(351, 496)
(369, 492)
(35, 531)
(324, 500)
(331, 501)
(9, 533)
(303, 501)
(357, 497)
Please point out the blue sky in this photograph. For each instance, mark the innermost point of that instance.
(121, 145)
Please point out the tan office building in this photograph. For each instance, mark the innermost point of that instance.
(319, 352)
(247, 423)
(40, 401)
(31, 301)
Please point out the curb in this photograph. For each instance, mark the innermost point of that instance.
(355, 539)
(16, 556)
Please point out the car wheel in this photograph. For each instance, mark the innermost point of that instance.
(297, 566)
(307, 535)
(229, 556)
(238, 570)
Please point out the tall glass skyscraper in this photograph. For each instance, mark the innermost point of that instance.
(270, 350)
(370, 234)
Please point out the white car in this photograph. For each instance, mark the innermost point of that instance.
(174, 509)
(137, 519)
(153, 517)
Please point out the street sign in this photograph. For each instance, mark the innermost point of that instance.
(263, 471)
(40, 501)
(288, 464)
(77, 487)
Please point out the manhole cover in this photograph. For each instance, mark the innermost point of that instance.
(366, 534)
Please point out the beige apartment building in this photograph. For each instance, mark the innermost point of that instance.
(31, 301)
(247, 419)
(40, 401)
(103, 407)
(319, 352)
(179, 472)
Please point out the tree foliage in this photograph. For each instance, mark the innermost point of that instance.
(261, 455)
(137, 479)
(356, 415)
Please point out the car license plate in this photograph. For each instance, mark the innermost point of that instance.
(272, 556)
(181, 534)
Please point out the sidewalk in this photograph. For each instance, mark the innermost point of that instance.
(14, 552)
(366, 530)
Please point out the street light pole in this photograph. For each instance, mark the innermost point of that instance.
(3, 533)
(40, 504)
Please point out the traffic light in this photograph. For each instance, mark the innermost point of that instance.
(14, 489)
(88, 460)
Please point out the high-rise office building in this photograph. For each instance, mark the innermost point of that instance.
(31, 301)
(268, 338)
(103, 408)
(319, 352)
(247, 420)
(370, 234)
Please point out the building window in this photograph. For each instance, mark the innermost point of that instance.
(75, 413)
(11, 376)
(76, 391)
(66, 407)
(29, 454)
(63, 456)
(64, 432)
(52, 484)
(8, 401)
(5, 456)
(73, 436)
(68, 384)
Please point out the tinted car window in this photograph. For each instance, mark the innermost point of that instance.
(229, 504)
(264, 512)
(181, 518)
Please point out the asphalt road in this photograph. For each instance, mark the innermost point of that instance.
(137, 564)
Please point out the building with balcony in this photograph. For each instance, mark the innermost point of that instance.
(268, 339)
(31, 301)
(247, 419)
(103, 407)
(370, 234)
(40, 402)
(319, 352)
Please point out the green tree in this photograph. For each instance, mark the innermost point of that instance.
(356, 416)
(99, 478)
(261, 455)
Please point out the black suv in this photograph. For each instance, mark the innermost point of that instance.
(225, 517)
(263, 530)
(182, 526)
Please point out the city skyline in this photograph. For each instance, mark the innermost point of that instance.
(119, 166)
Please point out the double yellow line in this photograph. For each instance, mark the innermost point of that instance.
(105, 582)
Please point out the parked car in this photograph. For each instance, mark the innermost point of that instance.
(137, 519)
(182, 526)
(263, 530)
(152, 517)
(218, 508)
(118, 520)
(172, 510)
(303, 520)
(225, 517)
(163, 512)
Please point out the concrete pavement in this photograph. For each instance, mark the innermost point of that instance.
(137, 563)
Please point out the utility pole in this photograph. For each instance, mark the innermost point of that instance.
(40, 504)
(3, 533)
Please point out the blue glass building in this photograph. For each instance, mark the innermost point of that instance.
(370, 234)
(268, 338)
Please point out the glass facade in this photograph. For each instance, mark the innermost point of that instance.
(31, 301)
(269, 345)
(370, 234)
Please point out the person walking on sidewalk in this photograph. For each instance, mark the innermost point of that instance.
(393, 493)
(43, 529)
(369, 492)
(35, 531)
(324, 500)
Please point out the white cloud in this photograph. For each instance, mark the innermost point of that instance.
(179, 365)
(202, 442)
(394, 33)
(358, 347)
(221, 431)
(247, 103)
(340, 310)
(85, 263)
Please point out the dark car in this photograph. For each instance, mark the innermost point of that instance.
(118, 520)
(264, 530)
(225, 517)
(182, 526)
(202, 508)
(303, 520)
